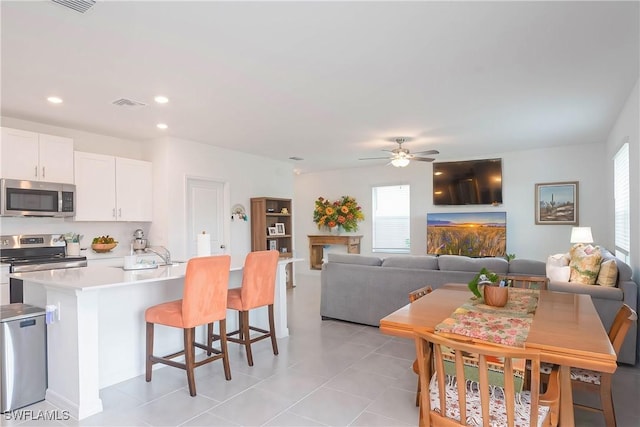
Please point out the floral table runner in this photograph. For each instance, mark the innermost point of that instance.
(508, 325)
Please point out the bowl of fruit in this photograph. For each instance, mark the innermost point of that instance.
(103, 244)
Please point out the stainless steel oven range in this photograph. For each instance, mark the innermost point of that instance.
(34, 252)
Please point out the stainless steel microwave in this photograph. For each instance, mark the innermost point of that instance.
(36, 198)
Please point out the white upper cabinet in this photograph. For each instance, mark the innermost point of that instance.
(134, 185)
(112, 188)
(36, 156)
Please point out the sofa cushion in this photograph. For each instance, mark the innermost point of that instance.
(557, 267)
(354, 259)
(528, 267)
(624, 271)
(464, 263)
(423, 262)
(601, 292)
(608, 273)
(585, 264)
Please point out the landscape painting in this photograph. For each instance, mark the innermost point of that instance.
(474, 234)
(557, 203)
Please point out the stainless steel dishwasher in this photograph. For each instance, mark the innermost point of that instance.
(23, 356)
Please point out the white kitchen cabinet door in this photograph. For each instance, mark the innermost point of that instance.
(36, 156)
(56, 159)
(134, 188)
(95, 187)
(19, 154)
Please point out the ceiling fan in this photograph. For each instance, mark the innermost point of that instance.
(401, 157)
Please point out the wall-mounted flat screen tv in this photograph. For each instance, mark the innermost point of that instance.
(470, 182)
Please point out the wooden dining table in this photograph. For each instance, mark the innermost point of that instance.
(566, 329)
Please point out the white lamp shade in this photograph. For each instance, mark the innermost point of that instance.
(581, 235)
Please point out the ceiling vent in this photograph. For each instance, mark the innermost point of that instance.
(124, 102)
(78, 5)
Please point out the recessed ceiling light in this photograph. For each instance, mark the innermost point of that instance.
(54, 100)
(161, 99)
(162, 126)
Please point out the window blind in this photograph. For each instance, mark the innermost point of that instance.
(621, 202)
(391, 219)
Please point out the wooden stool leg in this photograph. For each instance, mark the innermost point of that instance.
(149, 352)
(223, 348)
(246, 335)
(209, 338)
(240, 327)
(189, 356)
(607, 400)
(272, 330)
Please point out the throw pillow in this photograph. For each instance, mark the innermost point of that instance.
(584, 264)
(557, 268)
(608, 273)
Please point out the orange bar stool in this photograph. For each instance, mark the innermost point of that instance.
(258, 290)
(204, 301)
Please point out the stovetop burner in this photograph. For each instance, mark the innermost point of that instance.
(37, 252)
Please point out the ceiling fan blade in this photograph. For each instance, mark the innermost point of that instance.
(427, 152)
(374, 158)
(423, 159)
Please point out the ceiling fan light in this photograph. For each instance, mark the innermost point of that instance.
(400, 162)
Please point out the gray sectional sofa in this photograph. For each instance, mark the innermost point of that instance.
(364, 289)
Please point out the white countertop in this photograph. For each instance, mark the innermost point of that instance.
(103, 277)
(100, 277)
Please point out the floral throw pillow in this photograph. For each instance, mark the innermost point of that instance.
(584, 264)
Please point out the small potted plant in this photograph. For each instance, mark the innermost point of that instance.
(494, 291)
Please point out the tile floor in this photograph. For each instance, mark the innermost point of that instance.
(328, 373)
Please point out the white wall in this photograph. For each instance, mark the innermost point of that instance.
(247, 176)
(627, 128)
(521, 171)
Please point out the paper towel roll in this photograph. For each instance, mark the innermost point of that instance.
(204, 244)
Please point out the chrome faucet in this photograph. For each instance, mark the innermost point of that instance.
(166, 257)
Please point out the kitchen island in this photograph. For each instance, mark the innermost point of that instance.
(98, 336)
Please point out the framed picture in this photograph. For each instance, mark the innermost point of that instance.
(272, 231)
(557, 203)
(475, 234)
(273, 245)
(280, 229)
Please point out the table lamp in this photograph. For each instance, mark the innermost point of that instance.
(581, 235)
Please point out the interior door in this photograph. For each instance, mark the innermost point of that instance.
(205, 212)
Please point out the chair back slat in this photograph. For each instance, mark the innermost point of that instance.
(483, 387)
(620, 326)
(419, 293)
(527, 282)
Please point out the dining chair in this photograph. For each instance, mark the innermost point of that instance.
(204, 301)
(257, 290)
(600, 382)
(527, 282)
(414, 295)
(457, 396)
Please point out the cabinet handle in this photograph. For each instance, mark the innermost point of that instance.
(35, 171)
(113, 212)
(43, 172)
(120, 213)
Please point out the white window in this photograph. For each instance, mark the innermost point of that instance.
(621, 203)
(391, 219)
